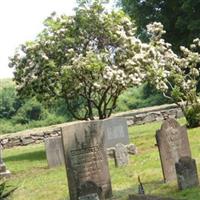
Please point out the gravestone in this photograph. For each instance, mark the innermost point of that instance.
(172, 142)
(85, 160)
(3, 171)
(120, 155)
(54, 151)
(116, 131)
(148, 197)
(186, 171)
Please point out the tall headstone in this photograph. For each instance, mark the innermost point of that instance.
(120, 155)
(173, 143)
(85, 160)
(54, 151)
(3, 171)
(186, 171)
(116, 131)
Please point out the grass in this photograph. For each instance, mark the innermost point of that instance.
(36, 182)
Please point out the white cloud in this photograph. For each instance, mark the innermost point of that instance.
(21, 20)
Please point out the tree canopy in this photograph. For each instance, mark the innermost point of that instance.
(180, 18)
(89, 59)
(86, 59)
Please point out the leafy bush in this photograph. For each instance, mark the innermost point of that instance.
(31, 110)
(9, 103)
(143, 96)
(192, 115)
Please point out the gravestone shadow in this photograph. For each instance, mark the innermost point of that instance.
(37, 155)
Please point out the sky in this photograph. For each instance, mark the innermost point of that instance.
(21, 20)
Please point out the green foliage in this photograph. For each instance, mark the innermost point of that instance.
(11, 126)
(143, 96)
(179, 17)
(192, 115)
(81, 59)
(31, 110)
(9, 103)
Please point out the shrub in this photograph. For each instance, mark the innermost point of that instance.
(31, 110)
(192, 115)
(9, 103)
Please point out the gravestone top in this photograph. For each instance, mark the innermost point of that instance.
(54, 151)
(93, 196)
(186, 171)
(120, 155)
(116, 131)
(173, 143)
(148, 197)
(85, 159)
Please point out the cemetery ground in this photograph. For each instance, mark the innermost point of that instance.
(35, 181)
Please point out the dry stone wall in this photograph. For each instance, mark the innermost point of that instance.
(140, 116)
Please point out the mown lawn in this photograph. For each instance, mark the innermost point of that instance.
(36, 182)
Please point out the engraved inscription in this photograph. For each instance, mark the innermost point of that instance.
(173, 138)
(115, 132)
(87, 162)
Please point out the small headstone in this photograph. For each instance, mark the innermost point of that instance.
(116, 131)
(132, 149)
(121, 155)
(86, 160)
(54, 151)
(89, 197)
(3, 171)
(148, 197)
(186, 171)
(172, 142)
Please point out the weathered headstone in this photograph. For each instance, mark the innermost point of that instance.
(120, 155)
(54, 151)
(172, 142)
(116, 131)
(3, 171)
(85, 160)
(186, 171)
(148, 197)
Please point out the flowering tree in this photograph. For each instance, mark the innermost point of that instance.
(87, 59)
(175, 75)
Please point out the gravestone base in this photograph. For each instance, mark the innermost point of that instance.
(3, 172)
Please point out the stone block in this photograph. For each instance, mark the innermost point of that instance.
(121, 155)
(186, 171)
(54, 151)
